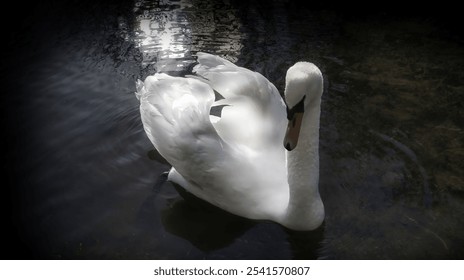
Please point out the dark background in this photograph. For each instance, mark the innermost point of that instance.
(34, 30)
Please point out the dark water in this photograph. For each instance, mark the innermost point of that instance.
(81, 180)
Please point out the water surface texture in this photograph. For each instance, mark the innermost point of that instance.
(84, 180)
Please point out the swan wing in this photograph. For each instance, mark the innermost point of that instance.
(175, 113)
(231, 161)
(254, 116)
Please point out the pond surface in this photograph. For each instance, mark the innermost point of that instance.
(84, 179)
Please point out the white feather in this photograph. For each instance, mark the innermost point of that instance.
(236, 161)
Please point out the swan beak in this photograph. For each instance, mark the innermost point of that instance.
(293, 131)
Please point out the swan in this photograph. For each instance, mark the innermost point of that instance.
(259, 159)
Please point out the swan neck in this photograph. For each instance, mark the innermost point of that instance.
(305, 209)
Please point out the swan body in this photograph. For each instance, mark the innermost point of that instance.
(238, 161)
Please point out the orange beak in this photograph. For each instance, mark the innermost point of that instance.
(293, 131)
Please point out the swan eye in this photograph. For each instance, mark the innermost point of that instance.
(298, 108)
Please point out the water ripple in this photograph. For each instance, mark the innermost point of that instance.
(168, 33)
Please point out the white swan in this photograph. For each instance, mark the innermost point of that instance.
(238, 161)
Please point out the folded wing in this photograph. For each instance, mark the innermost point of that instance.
(255, 113)
(175, 116)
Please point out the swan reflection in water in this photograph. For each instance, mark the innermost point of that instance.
(210, 228)
(237, 161)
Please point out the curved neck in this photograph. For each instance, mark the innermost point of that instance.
(305, 209)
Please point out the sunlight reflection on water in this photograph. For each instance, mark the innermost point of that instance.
(391, 132)
(169, 33)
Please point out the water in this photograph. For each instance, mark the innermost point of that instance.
(84, 181)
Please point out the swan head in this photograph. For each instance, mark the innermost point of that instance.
(303, 86)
